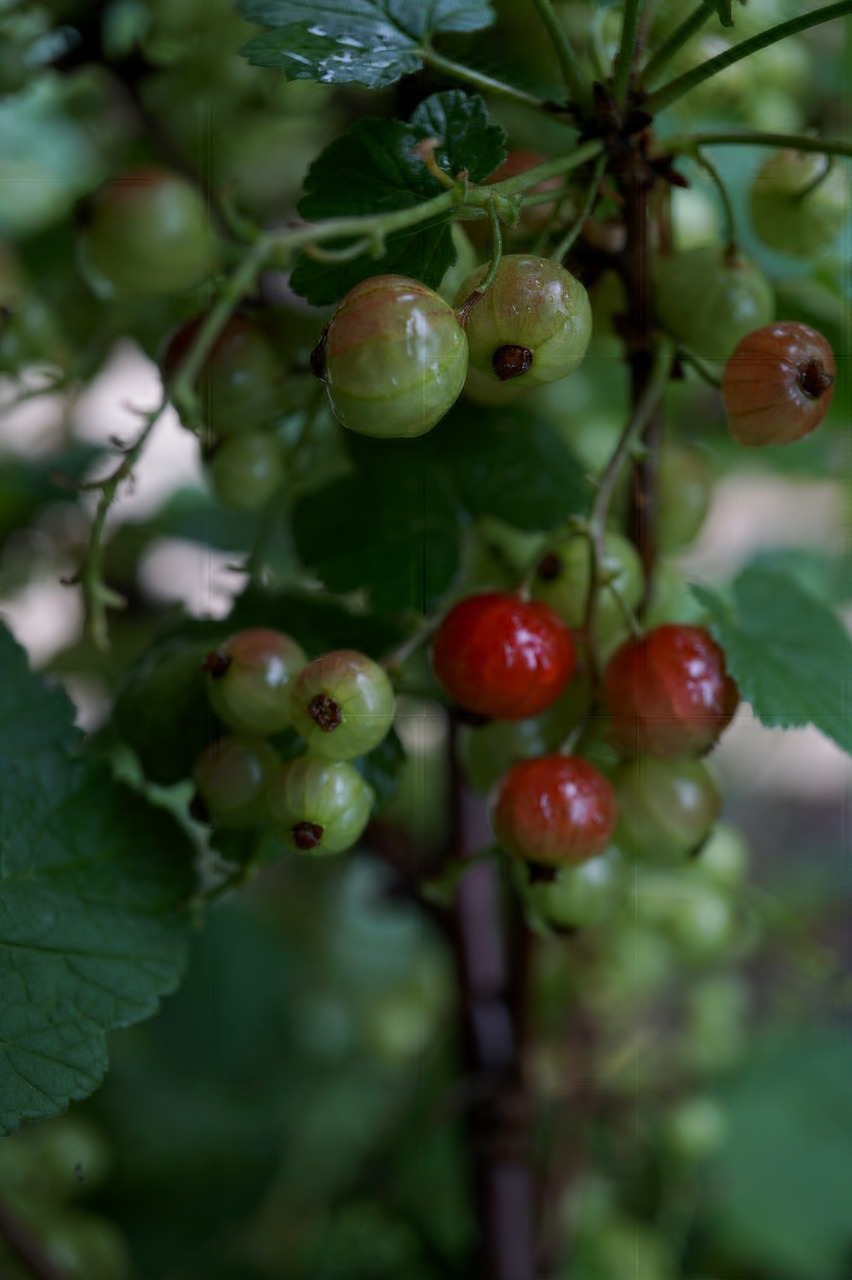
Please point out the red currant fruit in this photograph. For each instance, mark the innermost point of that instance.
(246, 471)
(343, 705)
(799, 202)
(319, 806)
(250, 678)
(232, 776)
(497, 655)
(709, 298)
(395, 357)
(667, 808)
(531, 326)
(558, 810)
(240, 382)
(145, 233)
(668, 694)
(778, 384)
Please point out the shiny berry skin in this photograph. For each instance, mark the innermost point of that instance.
(709, 298)
(395, 357)
(531, 326)
(232, 775)
(240, 385)
(778, 384)
(556, 810)
(146, 233)
(791, 214)
(343, 705)
(319, 806)
(497, 655)
(666, 809)
(246, 471)
(250, 677)
(668, 694)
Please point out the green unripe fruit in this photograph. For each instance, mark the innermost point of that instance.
(672, 600)
(795, 212)
(724, 858)
(249, 680)
(319, 806)
(394, 358)
(710, 298)
(562, 581)
(489, 751)
(146, 233)
(576, 896)
(246, 471)
(466, 261)
(695, 1129)
(530, 327)
(232, 776)
(667, 809)
(685, 484)
(343, 705)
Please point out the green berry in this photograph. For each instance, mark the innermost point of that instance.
(232, 775)
(685, 485)
(319, 806)
(800, 201)
(343, 705)
(562, 581)
(667, 809)
(575, 896)
(246, 471)
(724, 857)
(709, 298)
(249, 680)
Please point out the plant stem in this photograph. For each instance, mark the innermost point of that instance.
(575, 81)
(626, 51)
(483, 82)
(675, 89)
(727, 210)
(574, 231)
(675, 41)
(686, 143)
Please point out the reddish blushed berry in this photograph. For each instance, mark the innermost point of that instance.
(668, 694)
(557, 810)
(497, 655)
(778, 384)
(231, 776)
(250, 677)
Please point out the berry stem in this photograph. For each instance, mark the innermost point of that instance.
(627, 50)
(727, 210)
(560, 252)
(676, 88)
(686, 143)
(572, 73)
(675, 42)
(488, 84)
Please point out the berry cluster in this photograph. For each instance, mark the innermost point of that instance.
(260, 683)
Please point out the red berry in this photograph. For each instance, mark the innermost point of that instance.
(558, 810)
(668, 694)
(498, 655)
(778, 384)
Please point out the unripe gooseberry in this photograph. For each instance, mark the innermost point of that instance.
(562, 581)
(531, 326)
(246, 471)
(685, 487)
(497, 655)
(557, 810)
(778, 384)
(319, 806)
(145, 233)
(666, 808)
(232, 775)
(709, 298)
(394, 357)
(343, 704)
(668, 693)
(575, 897)
(799, 202)
(249, 680)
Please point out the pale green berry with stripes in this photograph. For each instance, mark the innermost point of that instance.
(343, 704)
(319, 806)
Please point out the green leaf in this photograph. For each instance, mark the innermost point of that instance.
(91, 882)
(781, 1187)
(787, 651)
(369, 42)
(375, 168)
(390, 529)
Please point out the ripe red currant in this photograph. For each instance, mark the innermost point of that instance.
(778, 384)
(667, 808)
(250, 677)
(343, 704)
(709, 298)
(394, 358)
(799, 202)
(319, 806)
(232, 775)
(146, 232)
(558, 810)
(668, 694)
(531, 326)
(498, 655)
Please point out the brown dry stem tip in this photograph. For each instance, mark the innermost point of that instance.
(549, 567)
(511, 361)
(216, 663)
(306, 835)
(814, 379)
(325, 712)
